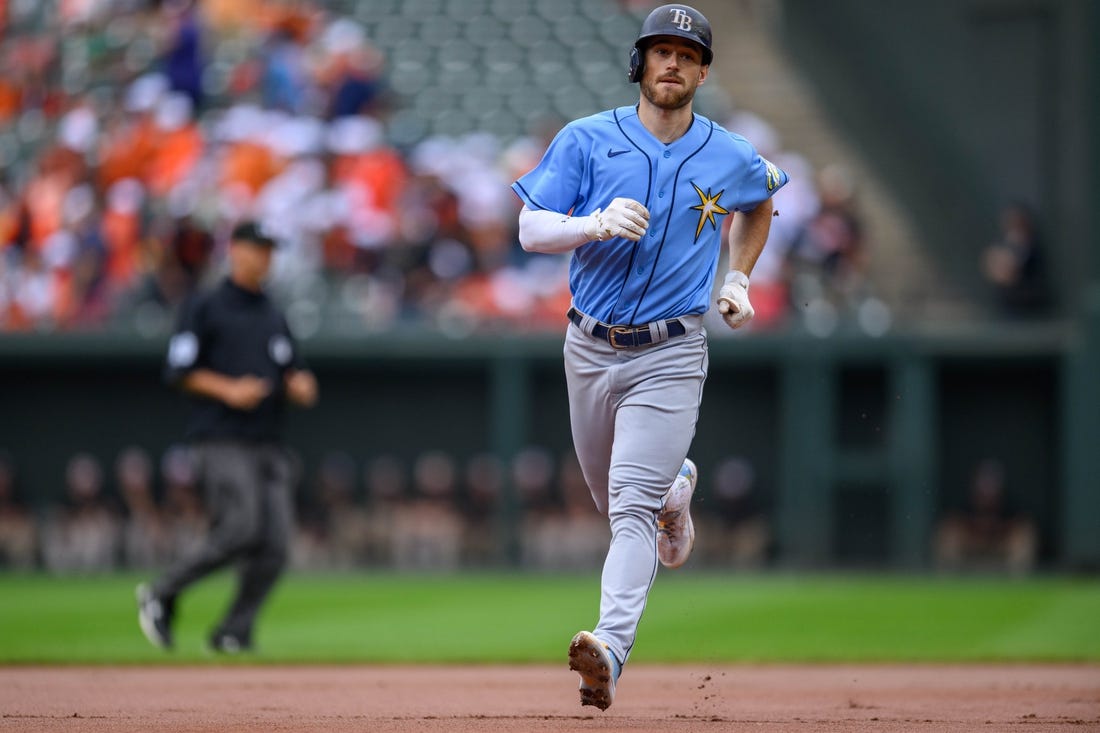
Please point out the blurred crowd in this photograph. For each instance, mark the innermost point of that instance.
(141, 514)
(434, 512)
(136, 132)
(130, 185)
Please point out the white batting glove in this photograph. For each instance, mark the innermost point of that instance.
(733, 300)
(623, 217)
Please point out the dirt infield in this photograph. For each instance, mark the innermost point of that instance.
(458, 699)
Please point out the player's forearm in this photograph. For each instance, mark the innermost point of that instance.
(748, 234)
(552, 233)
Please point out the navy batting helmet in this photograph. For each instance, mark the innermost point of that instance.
(671, 20)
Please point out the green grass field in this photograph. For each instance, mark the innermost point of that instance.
(529, 618)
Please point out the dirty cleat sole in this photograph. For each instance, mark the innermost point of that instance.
(591, 659)
(675, 530)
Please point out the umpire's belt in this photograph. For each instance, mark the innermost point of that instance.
(628, 337)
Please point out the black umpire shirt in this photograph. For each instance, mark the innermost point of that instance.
(234, 332)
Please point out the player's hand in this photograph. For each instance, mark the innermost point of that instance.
(623, 217)
(245, 393)
(733, 300)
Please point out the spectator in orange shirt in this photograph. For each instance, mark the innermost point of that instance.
(179, 147)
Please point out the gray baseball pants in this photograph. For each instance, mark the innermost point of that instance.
(248, 490)
(633, 414)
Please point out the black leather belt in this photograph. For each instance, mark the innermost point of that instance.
(627, 337)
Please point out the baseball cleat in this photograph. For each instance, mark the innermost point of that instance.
(675, 530)
(593, 661)
(154, 617)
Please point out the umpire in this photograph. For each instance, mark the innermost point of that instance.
(234, 354)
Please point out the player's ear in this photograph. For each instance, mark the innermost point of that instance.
(703, 71)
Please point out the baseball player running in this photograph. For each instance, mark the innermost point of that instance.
(638, 195)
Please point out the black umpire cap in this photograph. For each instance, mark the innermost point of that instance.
(252, 231)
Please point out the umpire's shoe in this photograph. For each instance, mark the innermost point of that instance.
(155, 617)
(598, 668)
(224, 642)
(675, 530)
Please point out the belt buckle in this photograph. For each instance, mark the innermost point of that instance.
(614, 331)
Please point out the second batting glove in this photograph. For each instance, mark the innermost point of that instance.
(733, 300)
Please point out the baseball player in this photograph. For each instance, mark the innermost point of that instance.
(638, 195)
(233, 352)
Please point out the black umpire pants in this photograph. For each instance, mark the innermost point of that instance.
(248, 491)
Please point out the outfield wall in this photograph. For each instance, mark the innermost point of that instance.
(858, 444)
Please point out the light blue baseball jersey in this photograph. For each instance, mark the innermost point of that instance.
(688, 186)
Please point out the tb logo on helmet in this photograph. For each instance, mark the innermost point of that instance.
(681, 19)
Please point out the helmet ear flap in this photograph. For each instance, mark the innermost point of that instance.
(637, 65)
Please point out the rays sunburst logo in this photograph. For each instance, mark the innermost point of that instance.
(708, 207)
(775, 176)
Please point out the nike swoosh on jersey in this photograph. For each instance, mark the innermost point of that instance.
(612, 153)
